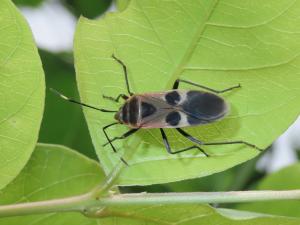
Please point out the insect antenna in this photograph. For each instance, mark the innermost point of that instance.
(80, 103)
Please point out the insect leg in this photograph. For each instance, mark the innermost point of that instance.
(123, 136)
(182, 132)
(109, 141)
(117, 98)
(168, 147)
(80, 103)
(176, 84)
(125, 73)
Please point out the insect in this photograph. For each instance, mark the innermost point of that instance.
(167, 109)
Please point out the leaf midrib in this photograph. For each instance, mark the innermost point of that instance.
(188, 53)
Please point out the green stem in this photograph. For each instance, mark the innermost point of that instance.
(87, 205)
(76, 203)
(104, 187)
(199, 197)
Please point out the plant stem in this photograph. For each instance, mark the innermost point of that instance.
(200, 197)
(84, 203)
(76, 203)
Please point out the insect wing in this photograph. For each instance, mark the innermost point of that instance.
(183, 108)
(203, 107)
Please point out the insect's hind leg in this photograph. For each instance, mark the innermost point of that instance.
(169, 150)
(176, 84)
(125, 73)
(109, 141)
(116, 99)
(185, 134)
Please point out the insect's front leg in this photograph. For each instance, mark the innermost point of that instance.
(191, 138)
(123, 136)
(116, 99)
(176, 84)
(106, 135)
(109, 141)
(125, 73)
(169, 150)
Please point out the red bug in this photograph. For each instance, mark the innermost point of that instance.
(168, 109)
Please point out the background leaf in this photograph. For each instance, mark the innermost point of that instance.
(53, 172)
(21, 92)
(215, 43)
(90, 9)
(63, 123)
(285, 179)
(31, 3)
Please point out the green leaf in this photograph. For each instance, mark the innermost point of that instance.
(55, 171)
(122, 4)
(214, 43)
(285, 179)
(52, 172)
(21, 92)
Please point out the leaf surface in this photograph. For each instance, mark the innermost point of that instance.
(21, 92)
(52, 172)
(214, 43)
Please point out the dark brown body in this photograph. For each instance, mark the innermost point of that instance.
(171, 109)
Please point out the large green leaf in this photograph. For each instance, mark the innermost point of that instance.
(285, 179)
(215, 43)
(21, 92)
(53, 172)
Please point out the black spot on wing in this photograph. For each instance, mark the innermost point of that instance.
(147, 109)
(203, 107)
(173, 118)
(133, 110)
(172, 98)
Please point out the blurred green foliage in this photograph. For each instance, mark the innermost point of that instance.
(284, 179)
(88, 8)
(63, 123)
(32, 3)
